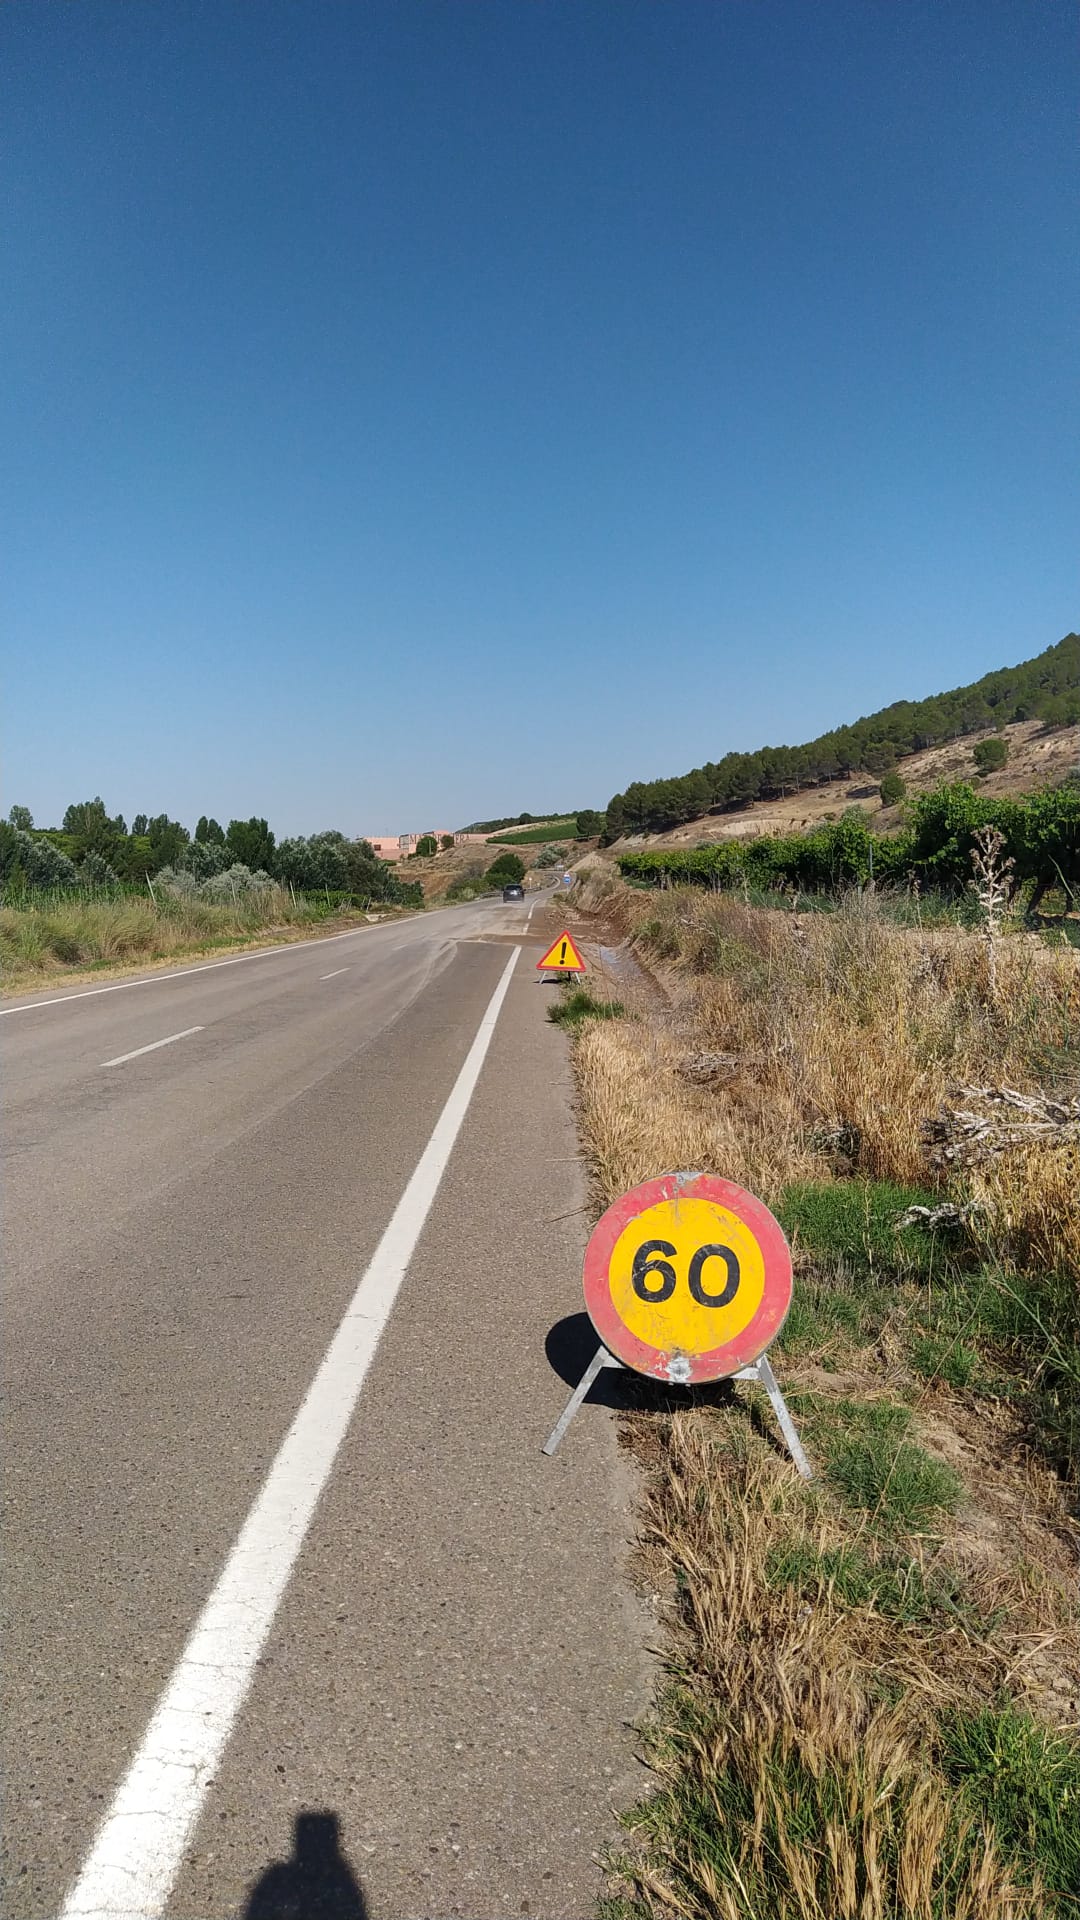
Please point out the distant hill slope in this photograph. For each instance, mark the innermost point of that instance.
(519, 820)
(1046, 689)
(1038, 757)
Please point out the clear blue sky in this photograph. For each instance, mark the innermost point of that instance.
(414, 412)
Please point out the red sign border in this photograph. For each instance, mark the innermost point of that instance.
(758, 1334)
(554, 966)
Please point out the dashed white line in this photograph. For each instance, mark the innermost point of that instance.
(334, 975)
(184, 973)
(140, 1844)
(152, 1048)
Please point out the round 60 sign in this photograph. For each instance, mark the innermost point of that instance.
(688, 1278)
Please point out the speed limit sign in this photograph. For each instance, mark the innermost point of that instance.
(688, 1278)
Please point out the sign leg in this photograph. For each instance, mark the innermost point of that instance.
(601, 1359)
(787, 1426)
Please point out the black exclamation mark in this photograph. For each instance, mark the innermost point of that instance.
(562, 954)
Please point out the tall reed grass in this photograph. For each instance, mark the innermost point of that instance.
(845, 1032)
(46, 937)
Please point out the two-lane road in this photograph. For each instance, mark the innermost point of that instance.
(323, 1200)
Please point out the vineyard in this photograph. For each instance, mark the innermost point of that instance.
(1041, 836)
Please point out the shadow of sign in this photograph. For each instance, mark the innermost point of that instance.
(573, 1341)
(315, 1883)
(570, 1346)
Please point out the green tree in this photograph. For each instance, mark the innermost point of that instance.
(138, 857)
(203, 858)
(892, 790)
(991, 754)
(139, 824)
(878, 756)
(506, 869)
(96, 872)
(446, 842)
(209, 832)
(87, 820)
(589, 823)
(91, 830)
(614, 820)
(426, 846)
(167, 840)
(30, 860)
(22, 818)
(251, 844)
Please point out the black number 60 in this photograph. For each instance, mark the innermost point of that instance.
(645, 1264)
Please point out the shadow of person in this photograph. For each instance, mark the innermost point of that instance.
(317, 1883)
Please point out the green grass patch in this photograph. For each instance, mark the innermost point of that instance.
(800, 1827)
(936, 1358)
(1025, 1779)
(1010, 1335)
(854, 1222)
(875, 1466)
(831, 1312)
(870, 1573)
(579, 1005)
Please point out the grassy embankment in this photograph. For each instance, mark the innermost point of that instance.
(548, 833)
(48, 939)
(873, 1691)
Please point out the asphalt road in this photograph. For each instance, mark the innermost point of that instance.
(320, 1205)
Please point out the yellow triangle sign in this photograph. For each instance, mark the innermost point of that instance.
(562, 956)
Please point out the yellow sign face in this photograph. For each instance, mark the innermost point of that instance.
(562, 957)
(686, 1275)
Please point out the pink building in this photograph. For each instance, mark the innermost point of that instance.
(398, 846)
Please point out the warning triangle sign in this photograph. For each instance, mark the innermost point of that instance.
(562, 957)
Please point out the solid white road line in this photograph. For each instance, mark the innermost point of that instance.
(152, 1048)
(334, 975)
(140, 1844)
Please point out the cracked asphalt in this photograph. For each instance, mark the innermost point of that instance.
(439, 1723)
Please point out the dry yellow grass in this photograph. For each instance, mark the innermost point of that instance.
(847, 1032)
(42, 943)
(804, 1769)
(801, 1752)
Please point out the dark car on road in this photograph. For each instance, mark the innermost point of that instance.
(514, 891)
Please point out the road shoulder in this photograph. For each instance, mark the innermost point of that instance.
(459, 1659)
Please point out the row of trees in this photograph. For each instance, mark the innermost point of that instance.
(1046, 688)
(94, 848)
(1041, 834)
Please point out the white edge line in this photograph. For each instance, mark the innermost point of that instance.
(152, 1048)
(140, 1844)
(184, 973)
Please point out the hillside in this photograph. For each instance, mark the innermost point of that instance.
(1045, 689)
(1038, 757)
